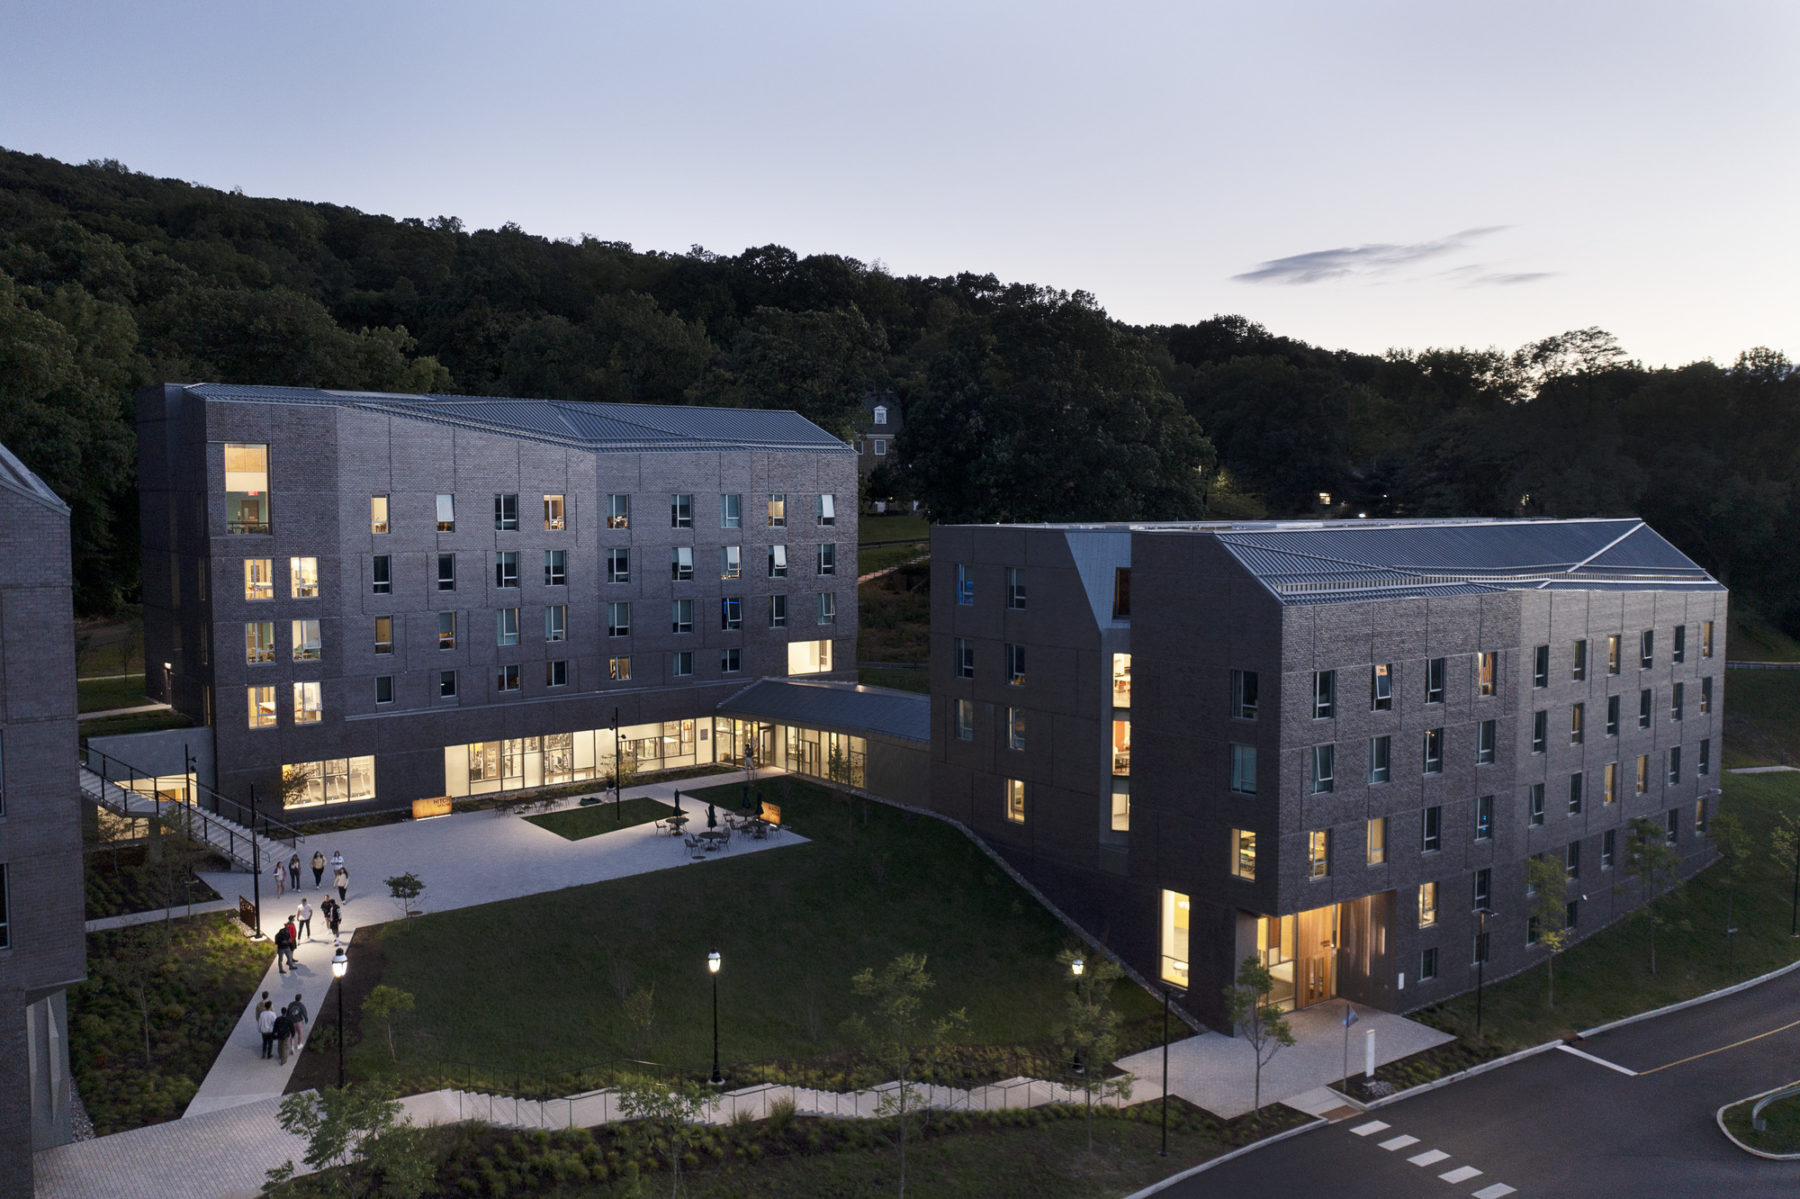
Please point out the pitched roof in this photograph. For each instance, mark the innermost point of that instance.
(15, 476)
(845, 707)
(594, 426)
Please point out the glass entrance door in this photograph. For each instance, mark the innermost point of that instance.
(1301, 953)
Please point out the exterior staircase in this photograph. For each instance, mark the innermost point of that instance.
(232, 840)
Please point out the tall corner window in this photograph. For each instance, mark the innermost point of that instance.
(246, 488)
(1487, 671)
(1243, 694)
(1377, 837)
(1243, 854)
(1318, 853)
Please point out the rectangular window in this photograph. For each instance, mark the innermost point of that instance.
(731, 661)
(259, 641)
(1431, 835)
(1484, 888)
(1377, 840)
(1612, 716)
(1580, 669)
(731, 613)
(681, 562)
(1487, 672)
(618, 566)
(1015, 665)
(1607, 842)
(305, 635)
(1706, 639)
(778, 562)
(681, 511)
(1428, 962)
(1324, 762)
(1646, 649)
(965, 658)
(556, 674)
(303, 578)
(1534, 802)
(1678, 647)
(556, 622)
(1643, 773)
(827, 608)
(1572, 860)
(384, 689)
(827, 510)
(778, 611)
(809, 657)
(618, 512)
(1015, 588)
(1540, 730)
(1428, 904)
(506, 626)
(1318, 853)
(556, 568)
(506, 511)
(778, 511)
(965, 720)
(827, 559)
(731, 562)
(1380, 753)
(618, 669)
(262, 707)
(1577, 723)
(1706, 695)
(1674, 826)
(880, 446)
(1122, 593)
(1434, 681)
(1609, 783)
(1485, 737)
(1675, 763)
(1676, 695)
(378, 514)
(506, 678)
(965, 585)
(681, 616)
(1577, 784)
(307, 709)
(1324, 694)
(259, 579)
(1612, 654)
(506, 569)
(1646, 705)
(1381, 687)
(246, 488)
(1243, 695)
(554, 520)
(681, 663)
(384, 634)
(446, 684)
(1015, 801)
(446, 572)
(1704, 766)
(1434, 751)
(731, 512)
(1243, 769)
(1243, 854)
(446, 517)
(1484, 818)
(446, 630)
(1700, 814)
(1540, 666)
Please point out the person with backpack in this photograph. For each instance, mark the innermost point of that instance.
(284, 947)
(296, 1011)
(333, 914)
(284, 1032)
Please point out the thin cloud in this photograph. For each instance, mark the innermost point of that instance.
(1380, 258)
(1509, 279)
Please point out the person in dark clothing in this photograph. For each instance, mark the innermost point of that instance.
(296, 1011)
(333, 914)
(284, 948)
(284, 1032)
(294, 872)
(318, 867)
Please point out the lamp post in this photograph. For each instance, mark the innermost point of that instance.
(1076, 969)
(618, 765)
(1481, 951)
(1167, 992)
(340, 965)
(712, 967)
(255, 867)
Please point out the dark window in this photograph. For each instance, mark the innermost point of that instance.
(1484, 884)
(1647, 649)
(1678, 648)
(1431, 839)
(1612, 716)
(384, 689)
(1485, 736)
(447, 684)
(506, 511)
(382, 574)
(1540, 666)
(1122, 593)
(1427, 965)
(1434, 681)
(1646, 704)
(1484, 818)
(1434, 751)
(1535, 801)
(1381, 687)
(1540, 730)
(1324, 694)
(1243, 695)
(1577, 782)
(446, 572)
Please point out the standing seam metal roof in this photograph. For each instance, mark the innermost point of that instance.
(845, 707)
(16, 476)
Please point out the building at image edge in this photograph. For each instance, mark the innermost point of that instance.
(1328, 743)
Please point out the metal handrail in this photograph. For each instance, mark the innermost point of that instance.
(217, 833)
(112, 769)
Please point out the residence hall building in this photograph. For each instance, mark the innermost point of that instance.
(1332, 744)
(42, 945)
(402, 596)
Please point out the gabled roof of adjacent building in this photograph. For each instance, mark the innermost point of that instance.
(844, 707)
(596, 426)
(15, 476)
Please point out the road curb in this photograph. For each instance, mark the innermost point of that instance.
(1696, 1001)
(1460, 1075)
(1204, 1166)
(1719, 1118)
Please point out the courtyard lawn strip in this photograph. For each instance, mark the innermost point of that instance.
(576, 824)
(1781, 1120)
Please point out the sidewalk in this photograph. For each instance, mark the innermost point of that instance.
(154, 914)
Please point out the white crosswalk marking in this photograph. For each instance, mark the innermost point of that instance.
(1460, 1174)
(1430, 1157)
(1363, 1130)
(1399, 1143)
(1497, 1191)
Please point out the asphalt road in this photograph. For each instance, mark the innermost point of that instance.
(1559, 1124)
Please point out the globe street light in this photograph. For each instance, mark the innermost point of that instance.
(1077, 968)
(340, 965)
(712, 967)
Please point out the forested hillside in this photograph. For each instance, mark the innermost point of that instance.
(1022, 402)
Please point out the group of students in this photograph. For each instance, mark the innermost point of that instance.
(287, 937)
(287, 874)
(283, 1030)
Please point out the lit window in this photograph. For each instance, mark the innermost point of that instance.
(259, 579)
(259, 641)
(1381, 687)
(1610, 784)
(446, 514)
(1377, 840)
(1015, 665)
(506, 511)
(1175, 930)
(1706, 639)
(1428, 904)
(618, 512)
(378, 514)
(1015, 728)
(384, 634)
(338, 780)
(618, 669)
(246, 488)
(446, 630)
(778, 511)
(1318, 853)
(306, 640)
(1243, 853)
(303, 577)
(553, 513)
(965, 720)
(262, 707)
(809, 657)
(1612, 654)
(1577, 720)
(1487, 667)
(681, 562)
(1121, 680)
(556, 568)
(306, 703)
(1015, 801)
(1121, 748)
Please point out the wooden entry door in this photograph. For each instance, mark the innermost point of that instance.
(1316, 954)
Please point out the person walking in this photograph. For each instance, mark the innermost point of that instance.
(340, 879)
(284, 1032)
(296, 1011)
(265, 1024)
(284, 947)
(318, 868)
(280, 878)
(337, 860)
(303, 918)
(332, 913)
(294, 872)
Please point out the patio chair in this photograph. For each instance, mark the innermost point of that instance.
(692, 842)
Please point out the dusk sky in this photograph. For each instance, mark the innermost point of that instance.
(1359, 175)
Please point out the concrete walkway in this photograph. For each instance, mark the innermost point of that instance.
(1218, 1073)
(123, 711)
(465, 860)
(1761, 769)
(153, 915)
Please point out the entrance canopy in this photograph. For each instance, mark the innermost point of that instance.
(843, 707)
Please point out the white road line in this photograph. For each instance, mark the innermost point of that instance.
(1600, 1061)
(1430, 1157)
(1497, 1191)
(1399, 1143)
(1460, 1174)
(1363, 1130)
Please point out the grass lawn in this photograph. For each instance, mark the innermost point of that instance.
(1762, 717)
(1781, 1125)
(110, 645)
(1755, 640)
(142, 722)
(895, 616)
(97, 695)
(1606, 975)
(883, 556)
(900, 526)
(575, 824)
(540, 984)
(901, 680)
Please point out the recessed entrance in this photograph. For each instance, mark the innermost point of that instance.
(1301, 951)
